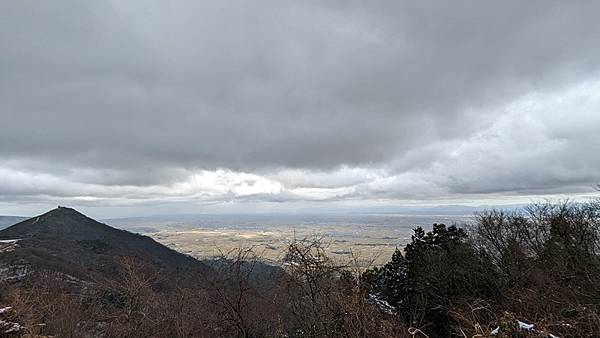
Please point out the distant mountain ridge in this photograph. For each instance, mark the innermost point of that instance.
(67, 241)
(6, 221)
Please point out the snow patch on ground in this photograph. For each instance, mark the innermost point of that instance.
(8, 245)
(524, 326)
(13, 273)
(382, 304)
(10, 327)
(9, 241)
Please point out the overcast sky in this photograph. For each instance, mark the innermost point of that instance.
(145, 107)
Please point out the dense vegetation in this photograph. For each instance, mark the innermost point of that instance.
(540, 265)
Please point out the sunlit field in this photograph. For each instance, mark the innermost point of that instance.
(363, 240)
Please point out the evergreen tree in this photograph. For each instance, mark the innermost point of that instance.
(438, 269)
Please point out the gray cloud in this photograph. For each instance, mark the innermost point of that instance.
(141, 95)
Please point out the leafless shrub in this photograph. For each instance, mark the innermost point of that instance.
(549, 256)
(325, 297)
(48, 305)
(240, 299)
(145, 302)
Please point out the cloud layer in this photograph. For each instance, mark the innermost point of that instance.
(122, 102)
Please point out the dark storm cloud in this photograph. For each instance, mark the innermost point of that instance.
(138, 93)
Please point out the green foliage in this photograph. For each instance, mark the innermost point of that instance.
(438, 269)
(389, 281)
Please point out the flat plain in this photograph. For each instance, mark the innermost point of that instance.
(363, 240)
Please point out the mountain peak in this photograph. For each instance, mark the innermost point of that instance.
(66, 235)
(61, 221)
(61, 211)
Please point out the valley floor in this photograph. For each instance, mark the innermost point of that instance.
(370, 242)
